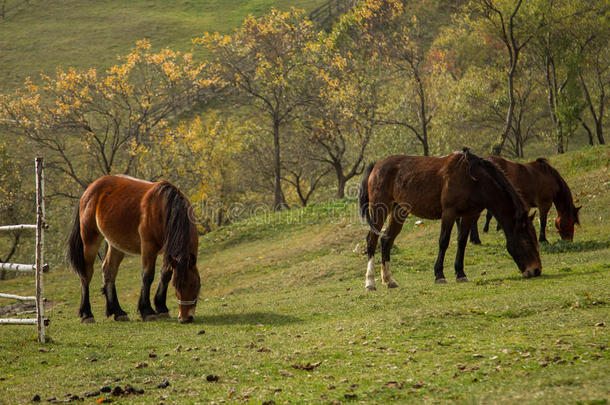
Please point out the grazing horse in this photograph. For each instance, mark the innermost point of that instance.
(457, 186)
(140, 217)
(540, 185)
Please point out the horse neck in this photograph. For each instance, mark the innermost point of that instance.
(501, 203)
(563, 198)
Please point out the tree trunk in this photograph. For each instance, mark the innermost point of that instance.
(422, 112)
(600, 131)
(560, 148)
(497, 149)
(341, 180)
(279, 203)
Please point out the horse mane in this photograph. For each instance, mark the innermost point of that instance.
(565, 194)
(178, 231)
(498, 177)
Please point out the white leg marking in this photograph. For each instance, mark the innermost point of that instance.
(386, 275)
(370, 274)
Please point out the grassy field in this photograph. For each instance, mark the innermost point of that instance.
(44, 35)
(285, 293)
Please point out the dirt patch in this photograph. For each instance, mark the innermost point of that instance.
(22, 308)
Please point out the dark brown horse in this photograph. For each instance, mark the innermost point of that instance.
(457, 186)
(136, 216)
(540, 185)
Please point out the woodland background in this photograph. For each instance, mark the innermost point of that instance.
(275, 110)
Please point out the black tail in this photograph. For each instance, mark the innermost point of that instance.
(363, 197)
(75, 254)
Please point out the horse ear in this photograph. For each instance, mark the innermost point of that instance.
(577, 221)
(531, 218)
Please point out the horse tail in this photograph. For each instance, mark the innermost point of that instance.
(75, 254)
(363, 199)
(178, 231)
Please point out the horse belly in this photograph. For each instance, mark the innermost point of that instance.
(420, 197)
(119, 224)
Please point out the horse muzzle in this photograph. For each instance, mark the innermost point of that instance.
(533, 271)
(187, 319)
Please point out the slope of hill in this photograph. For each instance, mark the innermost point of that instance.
(285, 317)
(83, 34)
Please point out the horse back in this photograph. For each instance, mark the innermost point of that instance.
(421, 185)
(112, 205)
(535, 185)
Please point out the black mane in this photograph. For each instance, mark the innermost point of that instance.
(565, 194)
(178, 231)
(499, 178)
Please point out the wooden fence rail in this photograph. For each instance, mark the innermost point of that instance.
(38, 267)
(325, 13)
(4, 9)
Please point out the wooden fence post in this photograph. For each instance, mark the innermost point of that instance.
(40, 227)
(39, 266)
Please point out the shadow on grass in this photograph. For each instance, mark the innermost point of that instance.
(248, 318)
(563, 246)
(563, 272)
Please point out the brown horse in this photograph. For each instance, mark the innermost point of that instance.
(457, 186)
(540, 185)
(140, 217)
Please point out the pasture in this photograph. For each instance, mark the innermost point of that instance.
(40, 36)
(284, 317)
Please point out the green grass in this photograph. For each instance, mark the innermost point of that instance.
(84, 34)
(278, 293)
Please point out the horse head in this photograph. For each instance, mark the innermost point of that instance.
(187, 284)
(522, 245)
(565, 223)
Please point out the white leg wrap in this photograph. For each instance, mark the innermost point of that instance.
(370, 274)
(386, 275)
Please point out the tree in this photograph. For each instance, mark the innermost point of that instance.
(201, 157)
(16, 204)
(302, 167)
(264, 60)
(594, 75)
(414, 67)
(346, 113)
(90, 125)
(514, 25)
(560, 60)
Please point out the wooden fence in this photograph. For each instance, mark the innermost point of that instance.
(5, 8)
(39, 266)
(327, 12)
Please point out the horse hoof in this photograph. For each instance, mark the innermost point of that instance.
(148, 318)
(121, 318)
(440, 281)
(162, 315)
(462, 279)
(371, 288)
(89, 319)
(392, 284)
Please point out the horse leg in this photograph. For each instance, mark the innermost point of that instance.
(443, 243)
(387, 240)
(165, 274)
(466, 224)
(378, 216)
(110, 268)
(91, 244)
(544, 212)
(488, 217)
(474, 232)
(149, 257)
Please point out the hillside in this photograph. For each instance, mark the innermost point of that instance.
(41, 36)
(283, 290)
